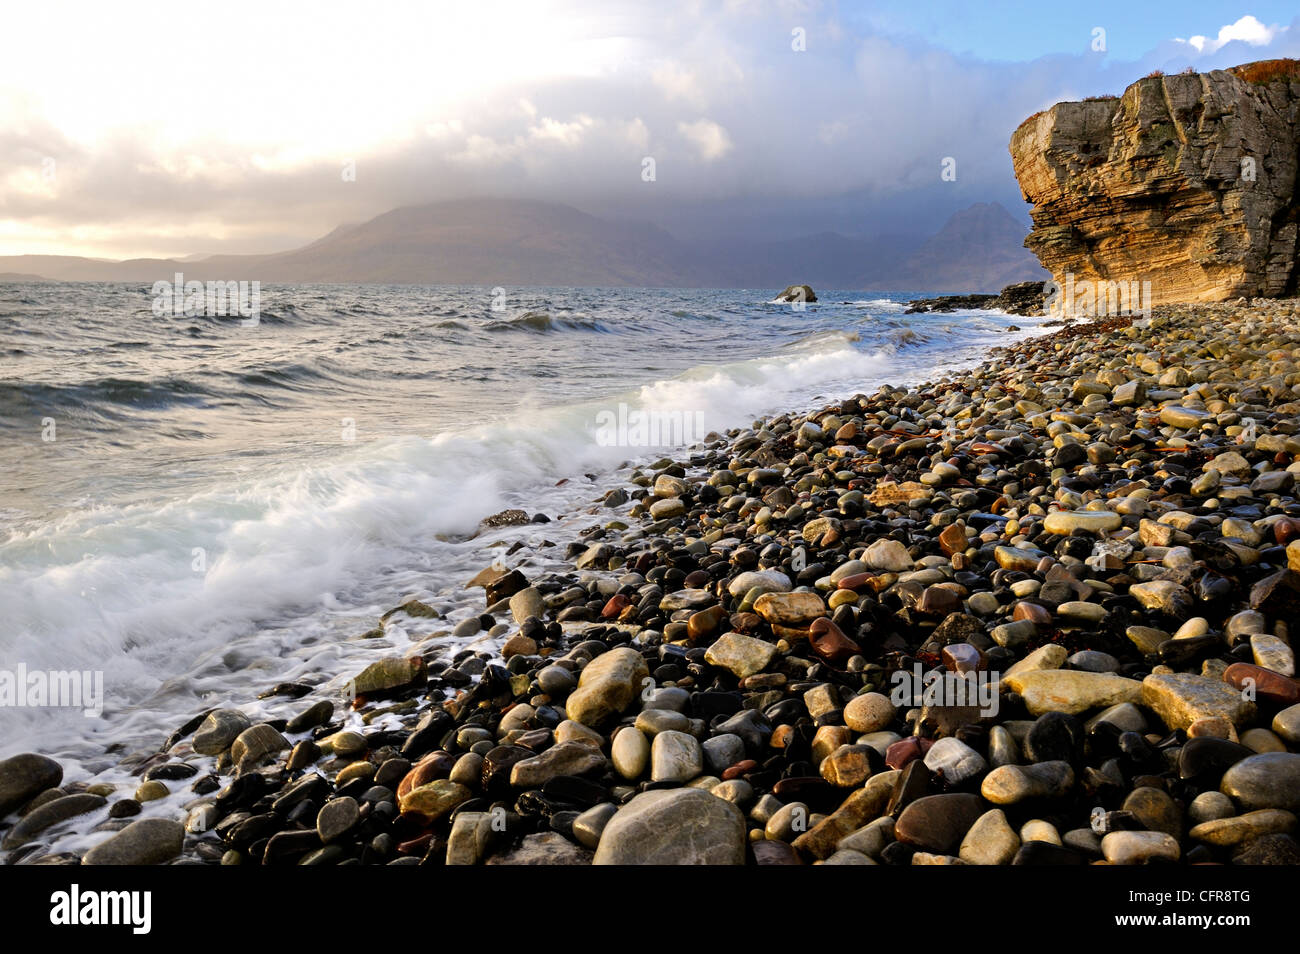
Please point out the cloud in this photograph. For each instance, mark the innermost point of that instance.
(561, 101)
(1247, 30)
(709, 139)
(677, 82)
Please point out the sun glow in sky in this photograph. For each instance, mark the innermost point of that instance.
(169, 129)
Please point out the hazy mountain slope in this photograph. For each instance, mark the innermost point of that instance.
(511, 242)
(979, 249)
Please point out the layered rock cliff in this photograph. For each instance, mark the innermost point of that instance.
(1186, 181)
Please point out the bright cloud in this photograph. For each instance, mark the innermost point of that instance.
(709, 139)
(122, 150)
(1247, 30)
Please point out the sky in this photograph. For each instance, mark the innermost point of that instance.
(179, 129)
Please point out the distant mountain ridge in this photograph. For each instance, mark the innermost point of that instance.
(522, 242)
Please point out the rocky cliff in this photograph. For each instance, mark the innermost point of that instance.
(1186, 181)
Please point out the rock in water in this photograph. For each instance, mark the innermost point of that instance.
(149, 841)
(796, 293)
(51, 813)
(23, 777)
(219, 730)
(683, 826)
(526, 603)
(388, 674)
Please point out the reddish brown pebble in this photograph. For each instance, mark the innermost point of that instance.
(953, 539)
(739, 769)
(938, 823)
(1269, 686)
(416, 846)
(1286, 530)
(855, 581)
(705, 622)
(1034, 612)
(829, 642)
(781, 737)
(617, 603)
(938, 601)
(905, 750)
(432, 767)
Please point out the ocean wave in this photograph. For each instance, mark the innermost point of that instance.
(829, 338)
(880, 304)
(151, 394)
(909, 338)
(297, 546)
(540, 322)
(117, 587)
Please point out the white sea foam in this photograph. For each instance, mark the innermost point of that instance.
(297, 558)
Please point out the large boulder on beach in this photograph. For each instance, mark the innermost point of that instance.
(683, 826)
(389, 674)
(23, 777)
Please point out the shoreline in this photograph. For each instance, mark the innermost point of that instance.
(769, 710)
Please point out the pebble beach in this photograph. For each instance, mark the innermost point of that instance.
(1100, 525)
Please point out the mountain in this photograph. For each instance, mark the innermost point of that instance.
(488, 242)
(514, 242)
(979, 249)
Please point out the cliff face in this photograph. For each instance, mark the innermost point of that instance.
(1186, 181)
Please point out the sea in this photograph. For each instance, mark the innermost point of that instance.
(195, 508)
